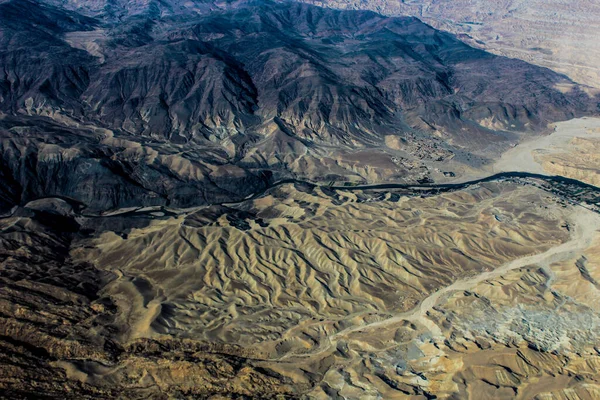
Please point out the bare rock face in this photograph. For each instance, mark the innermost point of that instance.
(558, 34)
(42, 158)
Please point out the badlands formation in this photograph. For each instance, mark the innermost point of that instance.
(483, 291)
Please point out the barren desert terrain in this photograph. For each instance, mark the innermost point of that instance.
(310, 291)
(247, 199)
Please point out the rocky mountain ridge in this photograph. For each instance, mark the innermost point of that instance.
(243, 93)
(556, 34)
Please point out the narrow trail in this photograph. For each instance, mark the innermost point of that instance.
(585, 224)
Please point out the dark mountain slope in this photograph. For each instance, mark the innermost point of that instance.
(38, 68)
(309, 63)
(42, 158)
(333, 75)
(175, 88)
(246, 91)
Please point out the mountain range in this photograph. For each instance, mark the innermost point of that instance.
(555, 34)
(117, 104)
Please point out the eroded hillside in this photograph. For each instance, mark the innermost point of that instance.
(187, 207)
(304, 291)
(183, 108)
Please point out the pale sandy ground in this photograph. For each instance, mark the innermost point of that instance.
(521, 157)
(332, 286)
(453, 347)
(586, 224)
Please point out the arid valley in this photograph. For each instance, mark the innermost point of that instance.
(273, 200)
(489, 290)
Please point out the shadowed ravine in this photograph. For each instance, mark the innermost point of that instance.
(436, 188)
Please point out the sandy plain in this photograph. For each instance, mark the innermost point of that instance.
(528, 156)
